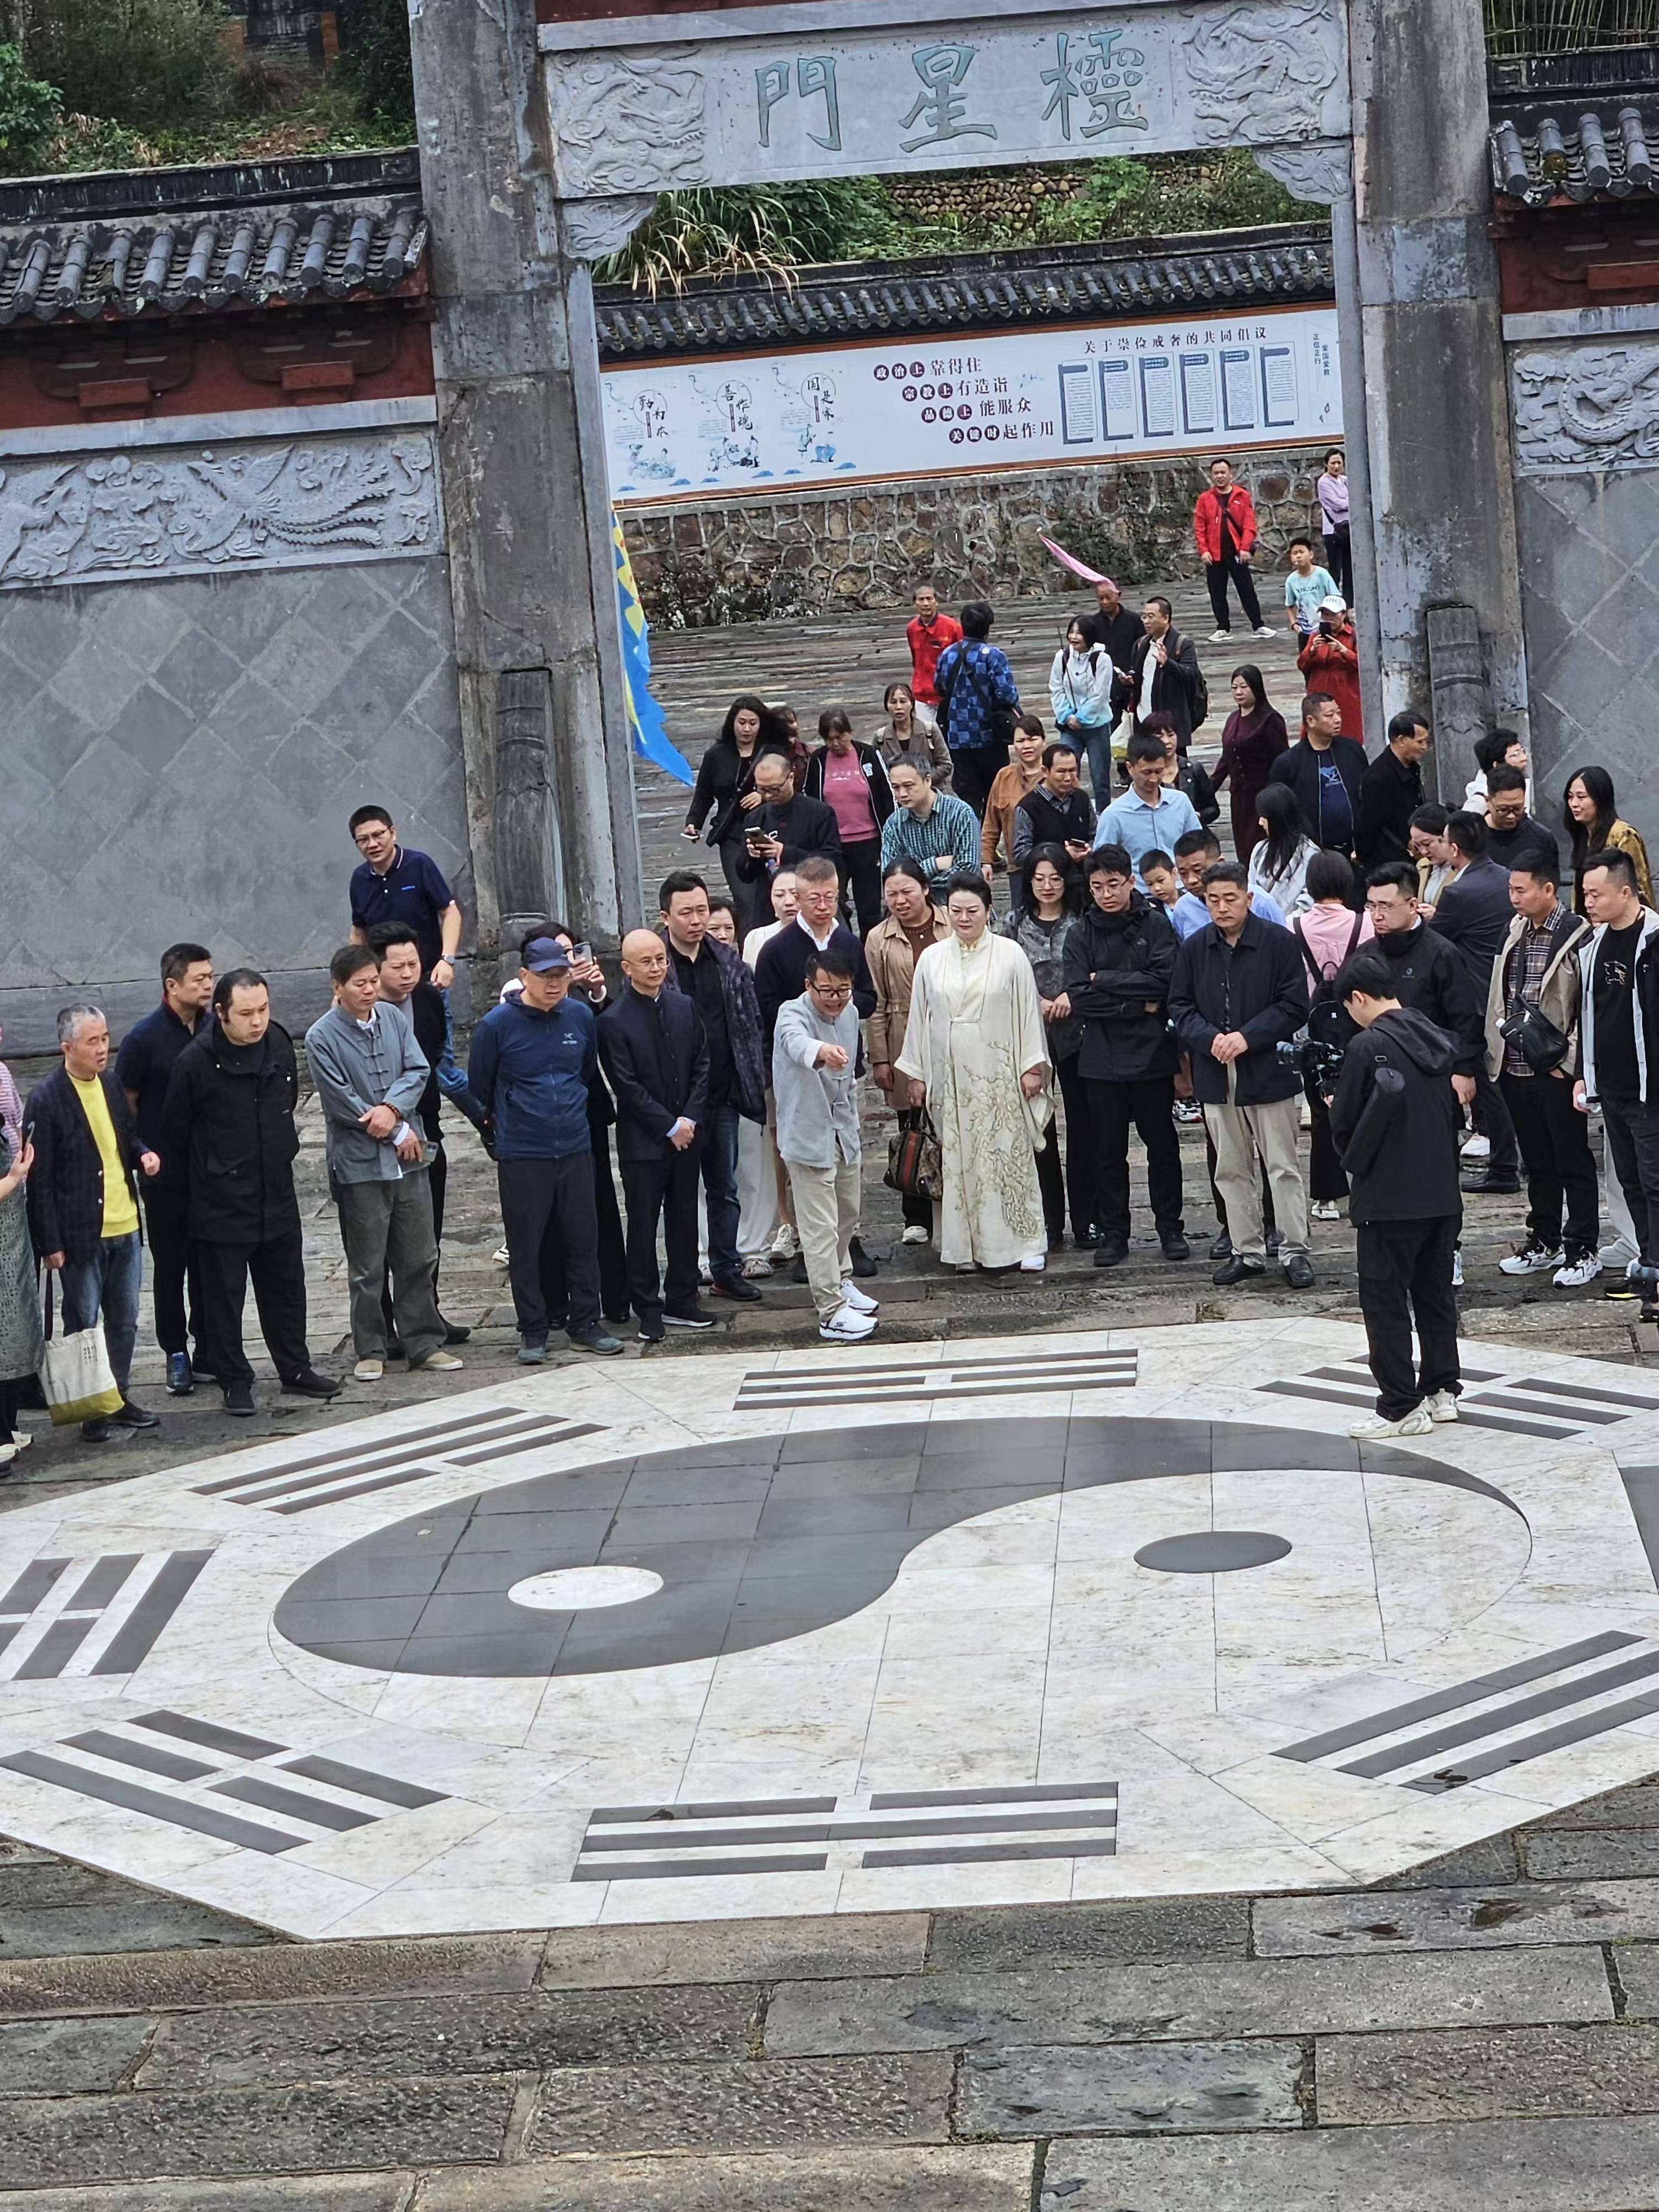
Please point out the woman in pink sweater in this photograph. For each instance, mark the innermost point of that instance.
(1327, 934)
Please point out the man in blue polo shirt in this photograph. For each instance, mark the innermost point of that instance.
(1148, 818)
(143, 1068)
(397, 883)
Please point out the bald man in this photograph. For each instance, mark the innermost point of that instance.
(654, 1051)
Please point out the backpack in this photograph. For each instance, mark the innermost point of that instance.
(1329, 1022)
(1200, 688)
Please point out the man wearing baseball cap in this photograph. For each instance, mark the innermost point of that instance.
(532, 1060)
(1330, 661)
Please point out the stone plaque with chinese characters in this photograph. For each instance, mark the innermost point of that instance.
(969, 90)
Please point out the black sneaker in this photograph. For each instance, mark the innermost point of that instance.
(735, 1286)
(1223, 1247)
(699, 1317)
(1175, 1245)
(239, 1399)
(651, 1328)
(97, 1433)
(453, 1333)
(129, 1416)
(310, 1384)
(1298, 1272)
(863, 1265)
(1238, 1269)
(798, 1271)
(596, 1338)
(1481, 1181)
(1111, 1251)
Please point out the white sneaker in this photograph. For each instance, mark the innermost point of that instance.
(1325, 1209)
(853, 1296)
(1475, 1148)
(1577, 1272)
(368, 1370)
(846, 1326)
(1035, 1264)
(1263, 630)
(1616, 1257)
(1533, 1259)
(8, 1453)
(756, 1267)
(915, 1234)
(1417, 1422)
(786, 1245)
(21, 1439)
(1219, 636)
(1457, 1267)
(1442, 1406)
(501, 1255)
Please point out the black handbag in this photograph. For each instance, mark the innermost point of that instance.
(1534, 1035)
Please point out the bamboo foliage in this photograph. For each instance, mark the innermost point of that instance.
(1529, 27)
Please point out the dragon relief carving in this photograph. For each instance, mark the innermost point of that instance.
(149, 513)
(1587, 407)
(627, 126)
(1257, 74)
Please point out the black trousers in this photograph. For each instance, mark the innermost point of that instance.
(278, 1271)
(861, 875)
(974, 770)
(918, 1212)
(171, 1271)
(1405, 1271)
(548, 1212)
(665, 1190)
(1633, 1134)
(1338, 559)
(613, 1251)
(1076, 1185)
(1147, 1105)
(1217, 575)
(1491, 1118)
(1327, 1184)
(1560, 1167)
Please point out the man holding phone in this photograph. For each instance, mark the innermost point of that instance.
(788, 828)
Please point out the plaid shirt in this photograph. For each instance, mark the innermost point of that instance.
(953, 827)
(976, 678)
(1525, 981)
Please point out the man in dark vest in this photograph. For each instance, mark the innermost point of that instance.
(1056, 811)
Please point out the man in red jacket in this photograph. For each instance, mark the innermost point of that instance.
(929, 635)
(1224, 523)
(1330, 661)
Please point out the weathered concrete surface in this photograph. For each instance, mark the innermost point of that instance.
(1526, 2073)
(863, 2179)
(792, 2104)
(1147, 2089)
(1355, 1925)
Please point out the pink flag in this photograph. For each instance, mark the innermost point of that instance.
(1070, 561)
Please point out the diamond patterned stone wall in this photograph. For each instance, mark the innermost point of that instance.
(178, 758)
(1589, 589)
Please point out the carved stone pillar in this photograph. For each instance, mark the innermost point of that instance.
(527, 502)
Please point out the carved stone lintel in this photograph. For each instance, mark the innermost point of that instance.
(627, 126)
(591, 230)
(1586, 407)
(212, 510)
(1320, 171)
(1260, 75)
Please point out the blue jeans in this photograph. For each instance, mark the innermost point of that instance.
(106, 1286)
(451, 1076)
(1097, 745)
(718, 1152)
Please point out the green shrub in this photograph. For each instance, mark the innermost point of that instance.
(143, 63)
(374, 56)
(29, 110)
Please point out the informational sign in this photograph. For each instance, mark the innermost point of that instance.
(940, 406)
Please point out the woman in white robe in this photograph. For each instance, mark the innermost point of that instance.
(976, 1056)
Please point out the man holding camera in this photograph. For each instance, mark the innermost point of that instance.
(1395, 1120)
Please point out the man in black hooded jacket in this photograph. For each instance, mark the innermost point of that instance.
(1395, 1120)
(1118, 962)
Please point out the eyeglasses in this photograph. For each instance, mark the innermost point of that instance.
(830, 990)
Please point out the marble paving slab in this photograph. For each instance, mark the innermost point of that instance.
(637, 1642)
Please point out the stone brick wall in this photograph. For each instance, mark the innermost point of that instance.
(834, 551)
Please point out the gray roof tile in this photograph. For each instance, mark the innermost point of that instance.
(1575, 148)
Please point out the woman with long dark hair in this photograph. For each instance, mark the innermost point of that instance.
(852, 782)
(1252, 741)
(724, 790)
(1040, 928)
(1278, 865)
(1591, 813)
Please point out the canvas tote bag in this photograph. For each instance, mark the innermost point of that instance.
(75, 1375)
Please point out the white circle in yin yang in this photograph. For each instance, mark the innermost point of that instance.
(581, 1589)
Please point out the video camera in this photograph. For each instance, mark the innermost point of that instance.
(1313, 1059)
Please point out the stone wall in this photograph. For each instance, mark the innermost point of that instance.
(833, 551)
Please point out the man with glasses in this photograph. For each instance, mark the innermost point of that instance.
(814, 1057)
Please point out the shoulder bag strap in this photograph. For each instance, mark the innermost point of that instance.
(1306, 951)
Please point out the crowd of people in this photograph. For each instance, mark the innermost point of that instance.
(1360, 942)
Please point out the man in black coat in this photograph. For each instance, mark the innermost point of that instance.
(1165, 676)
(1119, 961)
(1237, 993)
(1394, 1121)
(1513, 836)
(653, 1049)
(1474, 914)
(787, 829)
(1390, 792)
(84, 1215)
(780, 971)
(1325, 770)
(228, 1134)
